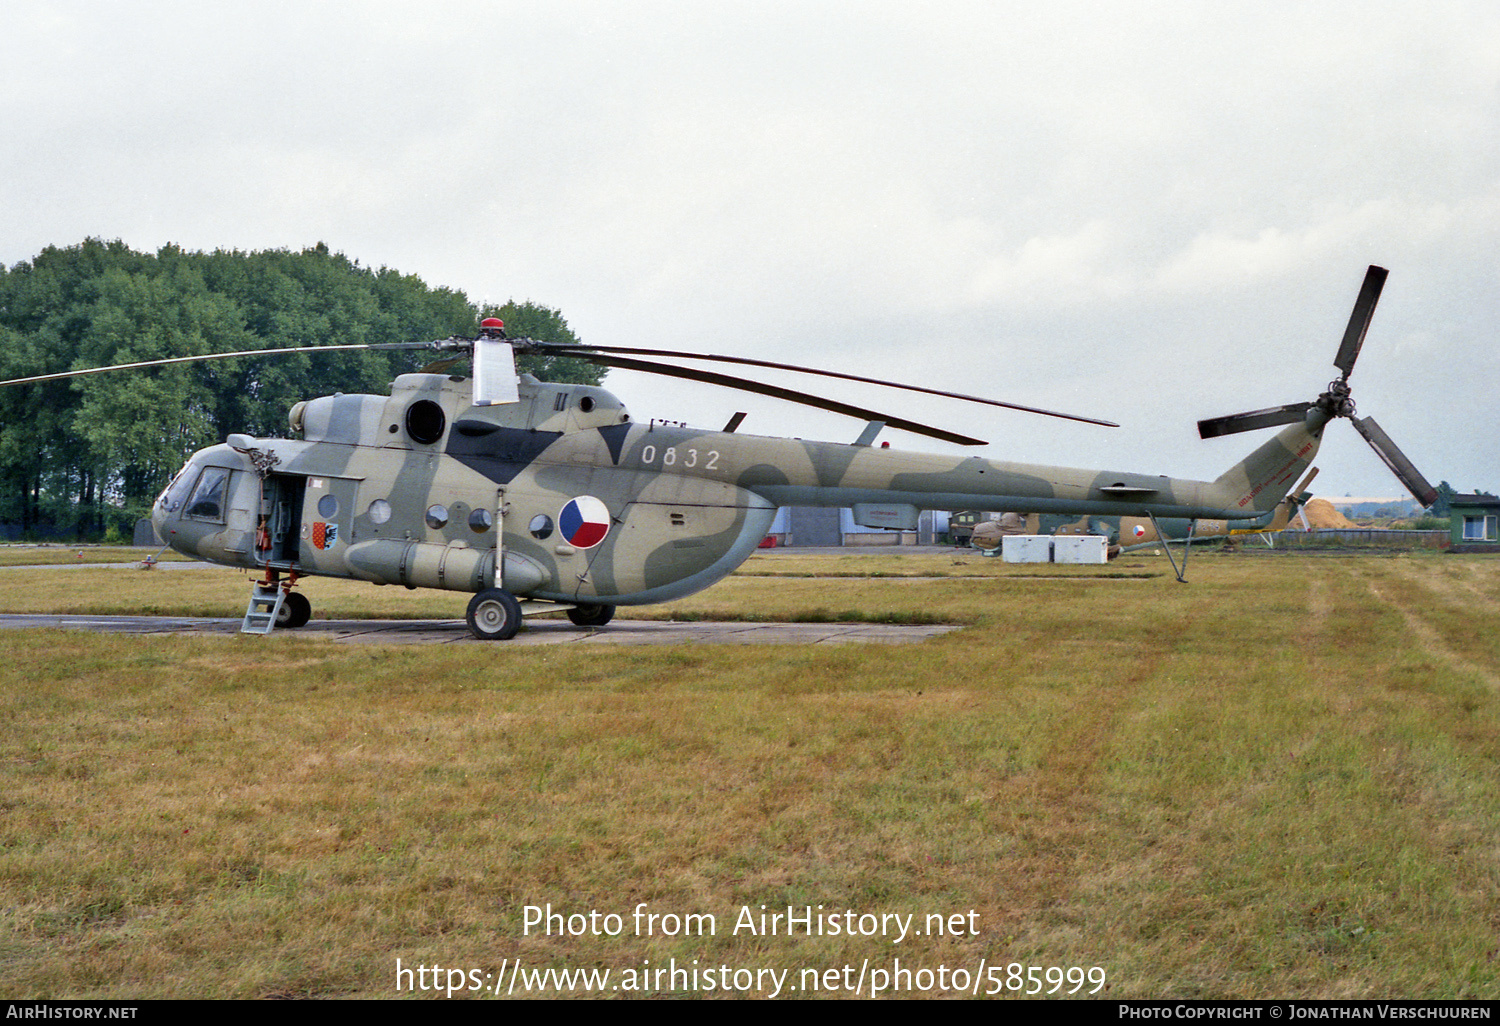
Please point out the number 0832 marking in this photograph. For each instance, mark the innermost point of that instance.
(672, 456)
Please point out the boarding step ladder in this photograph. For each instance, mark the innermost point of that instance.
(264, 608)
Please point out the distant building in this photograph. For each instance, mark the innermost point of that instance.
(812, 526)
(1475, 523)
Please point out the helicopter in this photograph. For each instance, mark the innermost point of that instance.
(538, 497)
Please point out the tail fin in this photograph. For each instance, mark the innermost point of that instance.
(1294, 502)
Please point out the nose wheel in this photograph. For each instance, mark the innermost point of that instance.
(494, 615)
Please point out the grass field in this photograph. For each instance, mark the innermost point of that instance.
(1277, 780)
(56, 555)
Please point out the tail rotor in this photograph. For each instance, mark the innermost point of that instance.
(1338, 401)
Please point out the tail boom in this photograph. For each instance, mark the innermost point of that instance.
(789, 472)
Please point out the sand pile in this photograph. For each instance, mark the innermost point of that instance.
(1321, 516)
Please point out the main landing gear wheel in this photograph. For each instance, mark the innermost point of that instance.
(494, 615)
(296, 610)
(591, 616)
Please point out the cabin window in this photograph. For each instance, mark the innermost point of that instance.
(480, 521)
(328, 507)
(380, 511)
(437, 516)
(541, 527)
(207, 500)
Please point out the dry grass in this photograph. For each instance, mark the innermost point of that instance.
(54, 555)
(1276, 780)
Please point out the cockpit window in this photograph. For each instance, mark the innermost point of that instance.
(207, 500)
(174, 493)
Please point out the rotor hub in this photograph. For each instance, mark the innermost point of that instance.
(1338, 400)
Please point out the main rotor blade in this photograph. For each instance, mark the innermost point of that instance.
(1359, 320)
(582, 351)
(1237, 422)
(212, 356)
(806, 399)
(1394, 458)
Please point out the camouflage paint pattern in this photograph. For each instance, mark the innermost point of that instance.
(424, 489)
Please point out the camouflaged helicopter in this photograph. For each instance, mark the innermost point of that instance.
(539, 497)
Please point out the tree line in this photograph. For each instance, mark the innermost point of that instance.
(85, 457)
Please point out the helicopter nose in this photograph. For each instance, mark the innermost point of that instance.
(159, 518)
(166, 511)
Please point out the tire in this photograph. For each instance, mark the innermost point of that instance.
(591, 616)
(494, 615)
(296, 610)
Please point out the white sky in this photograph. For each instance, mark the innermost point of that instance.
(1148, 212)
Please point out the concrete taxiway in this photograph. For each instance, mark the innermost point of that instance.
(535, 632)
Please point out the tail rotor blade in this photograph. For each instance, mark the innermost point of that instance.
(1299, 495)
(1394, 458)
(1237, 422)
(1359, 320)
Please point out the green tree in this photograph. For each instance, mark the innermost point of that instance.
(316, 298)
(1441, 505)
(139, 426)
(85, 454)
(31, 419)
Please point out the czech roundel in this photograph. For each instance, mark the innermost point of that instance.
(584, 522)
(1139, 531)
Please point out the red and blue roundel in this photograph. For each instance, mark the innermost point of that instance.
(584, 522)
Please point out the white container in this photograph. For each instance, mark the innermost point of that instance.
(1026, 548)
(1080, 548)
